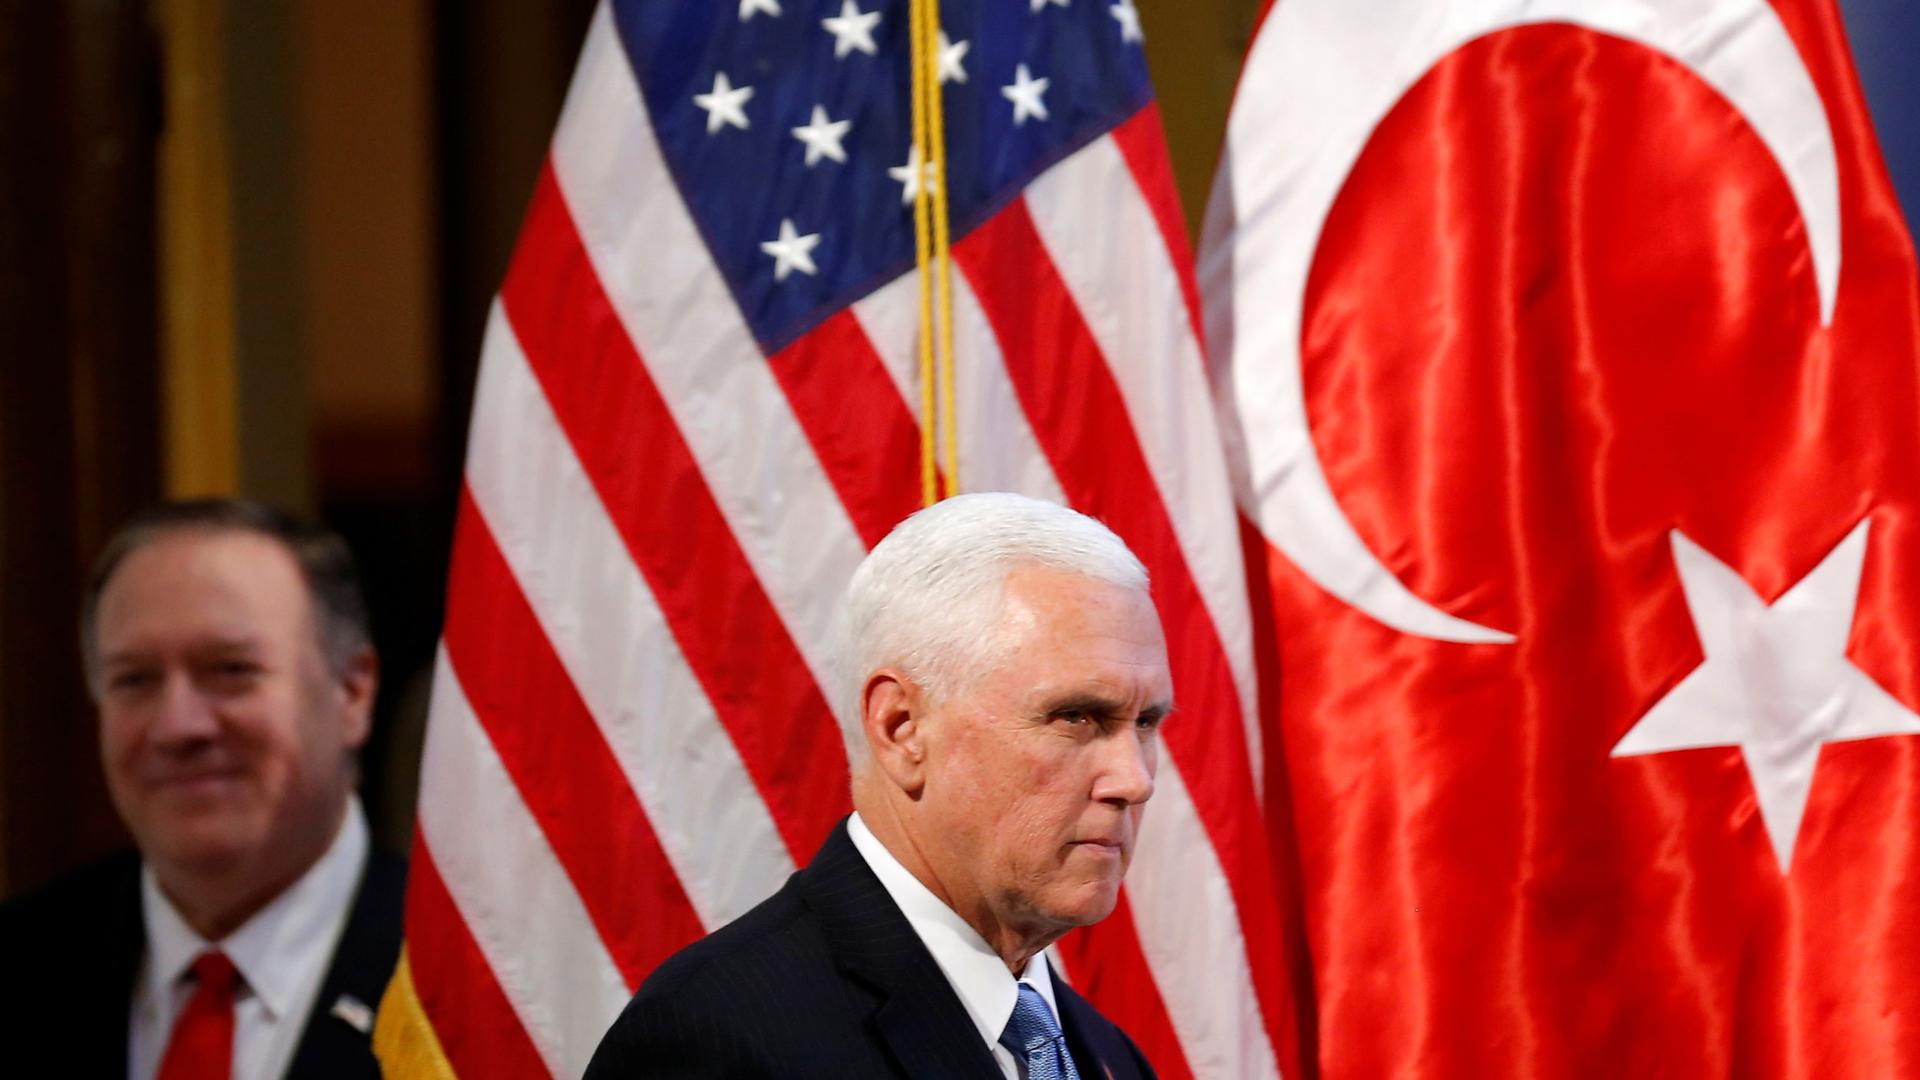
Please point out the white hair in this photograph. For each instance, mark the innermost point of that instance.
(928, 597)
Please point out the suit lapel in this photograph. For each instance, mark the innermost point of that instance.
(1097, 1046)
(929, 1039)
(111, 939)
(334, 1044)
(918, 1016)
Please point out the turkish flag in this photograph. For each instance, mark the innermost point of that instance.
(1570, 357)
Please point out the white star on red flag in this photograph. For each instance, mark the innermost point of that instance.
(1776, 681)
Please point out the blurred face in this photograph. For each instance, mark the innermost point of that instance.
(1038, 769)
(226, 739)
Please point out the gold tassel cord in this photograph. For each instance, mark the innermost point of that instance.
(933, 260)
(917, 162)
(942, 248)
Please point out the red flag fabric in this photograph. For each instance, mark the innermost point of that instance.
(1570, 355)
(697, 410)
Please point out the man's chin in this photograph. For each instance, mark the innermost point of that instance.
(207, 846)
(1085, 904)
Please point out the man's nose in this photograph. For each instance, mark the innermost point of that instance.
(182, 715)
(1126, 767)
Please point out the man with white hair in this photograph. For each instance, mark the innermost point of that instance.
(1003, 676)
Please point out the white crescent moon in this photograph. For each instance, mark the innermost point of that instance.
(1320, 77)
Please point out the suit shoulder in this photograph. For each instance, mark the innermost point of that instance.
(705, 1011)
(81, 937)
(110, 886)
(775, 941)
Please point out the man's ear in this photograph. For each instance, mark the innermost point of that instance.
(890, 714)
(356, 687)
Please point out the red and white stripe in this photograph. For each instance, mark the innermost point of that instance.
(631, 741)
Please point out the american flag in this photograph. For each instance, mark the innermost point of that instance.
(695, 414)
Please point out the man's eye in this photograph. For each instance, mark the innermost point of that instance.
(127, 681)
(235, 672)
(1075, 717)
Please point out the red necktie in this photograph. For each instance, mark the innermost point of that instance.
(202, 1044)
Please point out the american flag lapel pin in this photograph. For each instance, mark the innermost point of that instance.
(355, 1012)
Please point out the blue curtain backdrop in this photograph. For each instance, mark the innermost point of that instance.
(1885, 35)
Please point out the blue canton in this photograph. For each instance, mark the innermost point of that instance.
(799, 239)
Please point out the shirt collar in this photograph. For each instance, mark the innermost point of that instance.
(976, 972)
(290, 920)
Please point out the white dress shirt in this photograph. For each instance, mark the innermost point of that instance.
(971, 966)
(281, 954)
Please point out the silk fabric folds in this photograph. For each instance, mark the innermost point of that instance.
(1563, 306)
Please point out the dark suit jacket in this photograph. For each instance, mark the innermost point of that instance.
(828, 979)
(72, 952)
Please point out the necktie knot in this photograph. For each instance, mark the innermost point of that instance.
(202, 1044)
(214, 973)
(1034, 1037)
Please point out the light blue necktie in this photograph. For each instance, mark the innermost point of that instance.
(1035, 1038)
